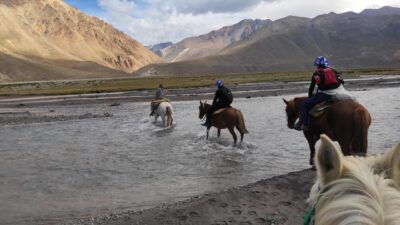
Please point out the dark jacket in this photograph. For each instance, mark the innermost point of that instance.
(319, 78)
(223, 97)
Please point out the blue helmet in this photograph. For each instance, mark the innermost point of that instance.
(219, 83)
(321, 61)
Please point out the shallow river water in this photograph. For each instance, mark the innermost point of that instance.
(58, 171)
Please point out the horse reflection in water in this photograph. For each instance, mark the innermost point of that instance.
(225, 118)
(355, 190)
(344, 121)
(164, 110)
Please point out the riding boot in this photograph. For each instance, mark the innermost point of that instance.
(208, 122)
(152, 110)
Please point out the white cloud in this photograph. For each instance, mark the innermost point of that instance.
(117, 6)
(154, 21)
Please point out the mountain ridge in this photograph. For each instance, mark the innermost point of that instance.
(212, 42)
(349, 40)
(46, 32)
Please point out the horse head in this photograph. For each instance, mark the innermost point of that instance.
(203, 109)
(292, 112)
(355, 190)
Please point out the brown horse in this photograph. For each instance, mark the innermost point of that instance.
(228, 118)
(346, 122)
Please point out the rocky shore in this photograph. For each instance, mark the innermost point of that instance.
(277, 200)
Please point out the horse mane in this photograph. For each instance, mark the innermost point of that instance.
(359, 196)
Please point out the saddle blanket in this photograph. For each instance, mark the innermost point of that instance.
(160, 100)
(219, 111)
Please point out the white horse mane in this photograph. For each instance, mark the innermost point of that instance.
(355, 190)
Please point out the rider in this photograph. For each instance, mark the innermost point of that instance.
(160, 94)
(327, 79)
(223, 98)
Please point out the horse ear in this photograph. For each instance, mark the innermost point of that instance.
(390, 162)
(329, 161)
(395, 164)
(285, 101)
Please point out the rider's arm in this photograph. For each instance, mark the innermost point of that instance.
(338, 76)
(217, 94)
(312, 86)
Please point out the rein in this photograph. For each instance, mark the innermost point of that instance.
(309, 217)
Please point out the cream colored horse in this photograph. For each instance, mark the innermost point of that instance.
(164, 110)
(353, 190)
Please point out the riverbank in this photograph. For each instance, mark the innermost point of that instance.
(247, 90)
(277, 200)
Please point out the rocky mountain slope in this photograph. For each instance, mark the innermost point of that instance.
(350, 40)
(48, 39)
(211, 43)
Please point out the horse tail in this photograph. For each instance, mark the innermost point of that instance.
(169, 115)
(241, 124)
(362, 120)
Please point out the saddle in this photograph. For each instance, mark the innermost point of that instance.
(320, 108)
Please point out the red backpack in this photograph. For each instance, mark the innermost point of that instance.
(326, 77)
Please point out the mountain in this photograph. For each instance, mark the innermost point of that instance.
(211, 43)
(387, 10)
(369, 39)
(157, 47)
(48, 39)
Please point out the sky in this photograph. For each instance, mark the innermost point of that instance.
(155, 21)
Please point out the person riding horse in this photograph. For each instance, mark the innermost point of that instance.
(160, 94)
(328, 81)
(223, 99)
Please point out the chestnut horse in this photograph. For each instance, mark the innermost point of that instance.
(228, 118)
(346, 122)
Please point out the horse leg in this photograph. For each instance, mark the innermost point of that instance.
(311, 139)
(219, 132)
(208, 130)
(163, 121)
(241, 135)
(232, 131)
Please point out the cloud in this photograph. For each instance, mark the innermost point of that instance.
(213, 6)
(117, 6)
(155, 21)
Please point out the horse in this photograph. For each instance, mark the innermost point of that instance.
(227, 118)
(164, 110)
(353, 189)
(344, 121)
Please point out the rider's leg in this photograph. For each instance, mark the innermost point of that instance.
(308, 104)
(209, 113)
(152, 109)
